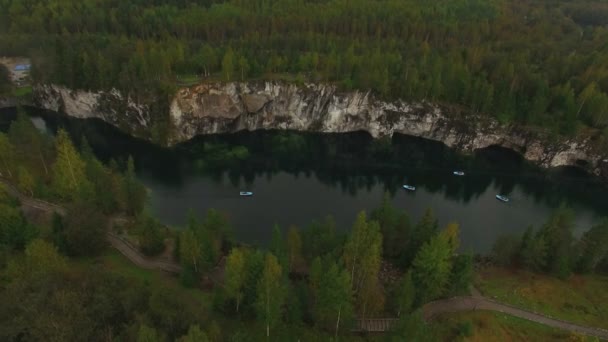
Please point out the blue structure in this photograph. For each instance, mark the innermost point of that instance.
(22, 67)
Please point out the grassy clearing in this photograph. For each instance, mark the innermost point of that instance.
(580, 299)
(485, 326)
(22, 91)
(188, 79)
(115, 262)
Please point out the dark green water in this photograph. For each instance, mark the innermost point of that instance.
(300, 177)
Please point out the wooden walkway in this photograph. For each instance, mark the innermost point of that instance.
(374, 325)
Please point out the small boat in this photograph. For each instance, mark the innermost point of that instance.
(246, 193)
(502, 198)
(409, 187)
(458, 173)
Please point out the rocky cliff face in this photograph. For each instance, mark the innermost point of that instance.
(230, 107)
(112, 107)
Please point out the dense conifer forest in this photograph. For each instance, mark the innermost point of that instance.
(541, 63)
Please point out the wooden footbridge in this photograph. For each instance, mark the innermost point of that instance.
(374, 325)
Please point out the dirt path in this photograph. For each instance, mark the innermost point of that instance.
(478, 302)
(122, 245)
(31, 202)
(140, 260)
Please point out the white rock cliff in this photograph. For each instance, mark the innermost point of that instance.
(230, 107)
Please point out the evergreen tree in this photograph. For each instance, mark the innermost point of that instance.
(432, 268)
(314, 279)
(15, 231)
(395, 228)
(320, 238)
(405, 295)
(85, 230)
(195, 334)
(533, 253)
(593, 247)
(228, 64)
(151, 239)
(7, 155)
(35, 147)
(462, 274)
(422, 233)
(294, 248)
(147, 334)
(412, 327)
(557, 234)
(505, 250)
(69, 177)
(277, 246)
(135, 193)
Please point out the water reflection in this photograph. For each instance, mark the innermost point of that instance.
(300, 177)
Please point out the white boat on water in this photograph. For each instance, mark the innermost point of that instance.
(246, 193)
(409, 187)
(458, 173)
(502, 198)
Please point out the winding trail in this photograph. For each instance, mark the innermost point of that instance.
(466, 303)
(116, 241)
(478, 302)
(135, 256)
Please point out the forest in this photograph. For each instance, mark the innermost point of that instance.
(309, 281)
(539, 63)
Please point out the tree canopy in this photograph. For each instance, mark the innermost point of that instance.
(519, 61)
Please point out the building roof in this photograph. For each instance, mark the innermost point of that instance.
(22, 67)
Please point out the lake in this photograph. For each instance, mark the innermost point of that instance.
(299, 177)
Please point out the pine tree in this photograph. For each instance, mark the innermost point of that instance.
(28, 139)
(593, 247)
(147, 334)
(432, 268)
(395, 228)
(405, 294)
(228, 65)
(533, 254)
(244, 67)
(557, 234)
(195, 334)
(7, 155)
(294, 248)
(462, 274)
(277, 246)
(69, 177)
(422, 233)
(135, 193)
